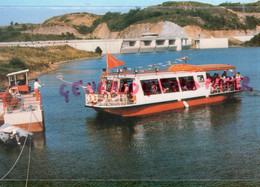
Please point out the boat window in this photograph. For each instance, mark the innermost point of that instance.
(21, 79)
(126, 86)
(200, 78)
(170, 85)
(151, 87)
(187, 83)
(12, 81)
(108, 85)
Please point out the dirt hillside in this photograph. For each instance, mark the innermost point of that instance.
(65, 23)
(69, 23)
(195, 32)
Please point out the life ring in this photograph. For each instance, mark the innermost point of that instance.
(90, 98)
(113, 95)
(95, 99)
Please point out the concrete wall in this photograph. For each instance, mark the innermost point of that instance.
(206, 43)
(243, 38)
(112, 46)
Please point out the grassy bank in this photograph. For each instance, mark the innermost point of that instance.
(38, 60)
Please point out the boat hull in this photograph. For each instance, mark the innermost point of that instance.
(141, 110)
(33, 127)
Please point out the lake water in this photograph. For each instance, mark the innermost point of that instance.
(218, 141)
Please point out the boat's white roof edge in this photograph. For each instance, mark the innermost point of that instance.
(17, 72)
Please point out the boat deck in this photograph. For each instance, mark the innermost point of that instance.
(20, 103)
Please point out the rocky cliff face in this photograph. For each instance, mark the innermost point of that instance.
(65, 23)
(164, 29)
(196, 32)
(55, 29)
(69, 22)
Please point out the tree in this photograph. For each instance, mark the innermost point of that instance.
(252, 22)
(11, 23)
(98, 50)
(24, 27)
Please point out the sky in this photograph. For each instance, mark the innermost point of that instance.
(37, 11)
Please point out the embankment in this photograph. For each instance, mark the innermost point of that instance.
(38, 60)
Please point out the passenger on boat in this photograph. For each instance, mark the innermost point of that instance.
(36, 90)
(154, 88)
(217, 83)
(125, 88)
(208, 82)
(192, 84)
(89, 89)
(238, 81)
(103, 88)
(164, 88)
(215, 75)
(233, 81)
(227, 82)
(94, 86)
(183, 84)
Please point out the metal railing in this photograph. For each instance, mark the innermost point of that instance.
(20, 102)
(223, 88)
(110, 99)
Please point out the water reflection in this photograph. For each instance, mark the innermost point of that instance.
(39, 140)
(177, 139)
(200, 118)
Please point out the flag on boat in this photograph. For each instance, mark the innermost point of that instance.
(112, 62)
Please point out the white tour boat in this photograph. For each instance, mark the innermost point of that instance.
(143, 92)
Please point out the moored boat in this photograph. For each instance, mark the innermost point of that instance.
(20, 106)
(143, 92)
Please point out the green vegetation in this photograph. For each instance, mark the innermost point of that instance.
(248, 7)
(11, 33)
(98, 50)
(120, 22)
(254, 42)
(185, 4)
(204, 15)
(16, 62)
(117, 21)
(181, 13)
(252, 22)
(83, 29)
(37, 59)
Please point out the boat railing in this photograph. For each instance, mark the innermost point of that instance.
(223, 89)
(137, 71)
(13, 103)
(110, 99)
(20, 102)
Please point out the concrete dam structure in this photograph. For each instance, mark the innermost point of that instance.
(172, 38)
(150, 42)
(114, 46)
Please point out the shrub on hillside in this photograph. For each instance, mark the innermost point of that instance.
(254, 42)
(98, 50)
(16, 62)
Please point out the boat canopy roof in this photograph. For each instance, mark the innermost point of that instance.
(17, 72)
(200, 68)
